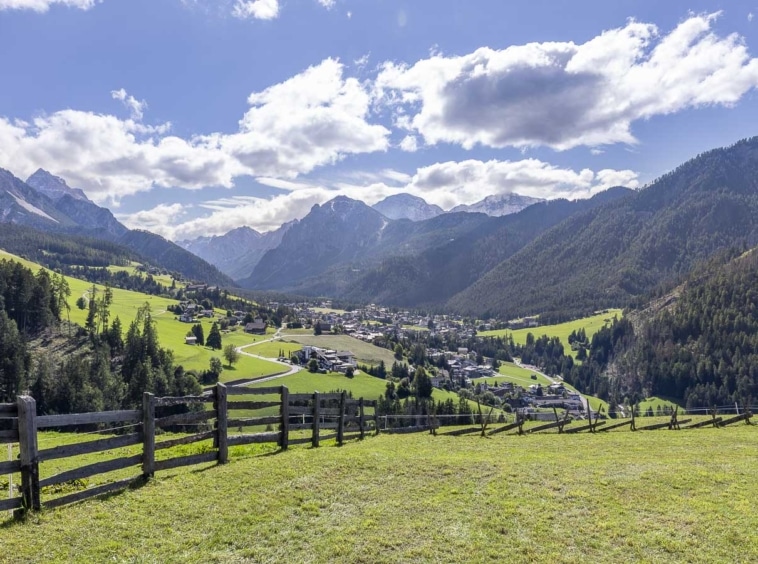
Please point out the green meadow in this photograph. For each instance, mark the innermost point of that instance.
(649, 497)
(366, 353)
(591, 325)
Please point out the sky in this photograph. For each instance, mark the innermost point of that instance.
(193, 117)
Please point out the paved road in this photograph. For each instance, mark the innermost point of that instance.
(291, 368)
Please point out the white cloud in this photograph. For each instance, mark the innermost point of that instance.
(312, 119)
(258, 9)
(409, 143)
(750, 17)
(562, 95)
(44, 5)
(446, 184)
(328, 4)
(136, 107)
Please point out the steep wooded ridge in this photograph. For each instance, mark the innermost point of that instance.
(617, 252)
(699, 349)
(47, 204)
(348, 250)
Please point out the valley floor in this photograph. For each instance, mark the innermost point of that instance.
(662, 496)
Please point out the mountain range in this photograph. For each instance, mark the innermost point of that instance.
(46, 203)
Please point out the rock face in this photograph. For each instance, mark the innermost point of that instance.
(54, 187)
(21, 204)
(405, 206)
(499, 205)
(237, 252)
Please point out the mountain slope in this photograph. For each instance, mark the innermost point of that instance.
(610, 255)
(436, 274)
(406, 206)
(21, 204)
(66, 211)
(499, 204)
(237, 252)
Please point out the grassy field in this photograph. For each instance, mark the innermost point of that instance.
(366, 353)
(655, 402)
(591, 325)
(271, 349)
(171, 332)
(419, 498)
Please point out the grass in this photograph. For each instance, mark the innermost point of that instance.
(171, 332)
(655, 402)
(271, 349)
(366, 353)
(419, 498)
(591, 325)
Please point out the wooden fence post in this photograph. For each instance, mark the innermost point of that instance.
(27, 442)
(376, 417)
(221, 419)
(316, 419)
(284, 443)
(148, 434)
(341, 423)
(362, 419)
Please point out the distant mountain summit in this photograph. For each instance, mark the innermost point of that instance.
(499, 205)
(54, 187)
(406, 206)
(46, 203)
(237, 252)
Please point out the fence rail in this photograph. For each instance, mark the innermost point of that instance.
(251, 422)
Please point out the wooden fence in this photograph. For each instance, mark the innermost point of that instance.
(200, 418)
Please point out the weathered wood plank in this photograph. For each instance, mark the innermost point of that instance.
(251, 421)
(705, 423)
(92, 470)
(10, 467)
(8, 408)
(299, 410)
(503, 429)
(300, 397)
(329, 425)
(148, 434)
(8, 423)
(240, 391)
(547, 426)
(327, 437)
(88, 493)
(300, 441)
(64, 451)
(736, 419)
(9, 436)
(27, 442)
(178, 400)
(316, 420)
(12, 503)
(609, 427)
(184, 418)
(587, 427)
(402, 430)
(186, 461)
(285, 435)
(654, 426)
(301, 427)
(184, 440)
(331, 411)
(459, 432)
(252, 404)
(122, 416)
(254, 439)
(221, 405)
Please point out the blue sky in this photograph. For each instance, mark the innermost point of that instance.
(192, 117)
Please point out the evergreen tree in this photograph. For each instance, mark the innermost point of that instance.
(214, 337)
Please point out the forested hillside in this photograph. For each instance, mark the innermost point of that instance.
(612, 254)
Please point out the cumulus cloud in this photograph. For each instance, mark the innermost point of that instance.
(312, 119)
(257, 9)
(328, 4)
(446, 184)
(562, 95)
(44, 5)
(409, 144)
(135, 107)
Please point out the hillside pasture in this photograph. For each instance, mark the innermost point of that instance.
(591, 325)
(419, 498)
(366, 353)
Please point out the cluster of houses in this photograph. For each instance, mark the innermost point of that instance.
(328, 360)
(191, 312)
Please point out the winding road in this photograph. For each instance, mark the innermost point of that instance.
(292, 368)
